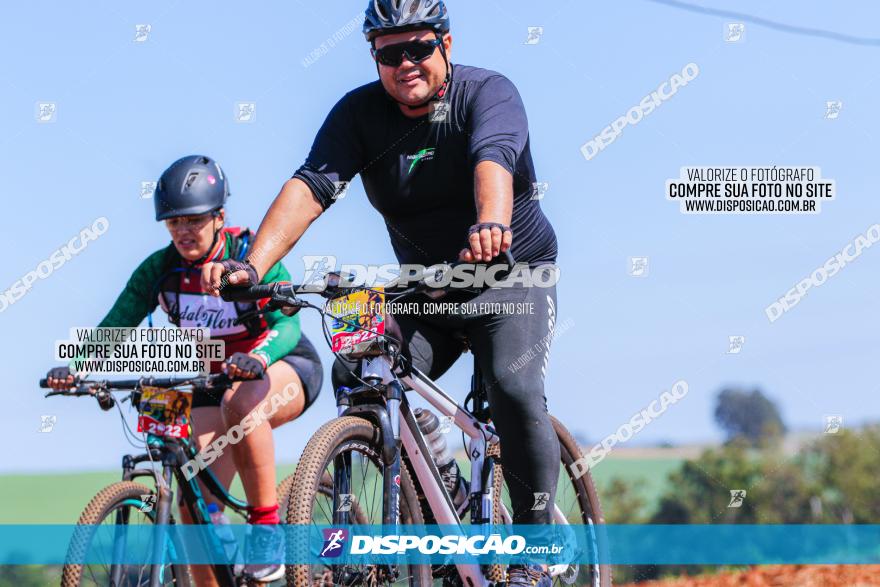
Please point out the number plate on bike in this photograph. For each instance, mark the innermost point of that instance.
(164, 412)
(358, 324)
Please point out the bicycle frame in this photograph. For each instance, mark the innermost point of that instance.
(398, 426)
(172, 453)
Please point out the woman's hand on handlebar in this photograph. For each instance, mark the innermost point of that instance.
(244, 366)
(60, 378)
(216, 276)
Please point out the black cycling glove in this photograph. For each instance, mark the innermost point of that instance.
(232, 265)
(489, 225)
(58, 373)
(245, 362)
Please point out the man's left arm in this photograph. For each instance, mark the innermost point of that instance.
(498, 131)
(493, 193)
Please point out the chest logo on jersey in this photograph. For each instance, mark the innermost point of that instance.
(424, 155)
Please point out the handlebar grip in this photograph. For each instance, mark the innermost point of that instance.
(44, 383)
(246, 294)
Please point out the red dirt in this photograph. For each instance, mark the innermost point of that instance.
(782, 576)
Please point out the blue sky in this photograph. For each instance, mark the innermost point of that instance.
(126, 110)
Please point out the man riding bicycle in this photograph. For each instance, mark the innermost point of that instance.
(268, 351)
(457, 185)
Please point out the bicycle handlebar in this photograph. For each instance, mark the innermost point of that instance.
(248, 294)
(286, 292)
(86, 387)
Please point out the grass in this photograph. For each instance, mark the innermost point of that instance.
(651, 473)
(59, 498)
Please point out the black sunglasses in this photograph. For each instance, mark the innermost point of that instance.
(415, 51)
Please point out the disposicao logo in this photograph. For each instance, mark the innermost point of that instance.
(334, 542)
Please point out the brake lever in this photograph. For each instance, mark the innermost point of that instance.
(276, 303)
(79, 390)
(282, 302)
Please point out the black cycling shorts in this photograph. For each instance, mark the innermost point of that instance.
(304, 360)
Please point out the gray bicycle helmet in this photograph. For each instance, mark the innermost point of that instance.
(192, 185)
(396, 16)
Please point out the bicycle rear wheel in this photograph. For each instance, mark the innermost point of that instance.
(124, 503)
(353, 445)
(578, 502)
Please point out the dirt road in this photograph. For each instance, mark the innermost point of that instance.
(782, 576)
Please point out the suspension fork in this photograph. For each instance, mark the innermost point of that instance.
(163, 518)
(342, 486)
(341, 467)
(119, 545)
(377, 370)
(381, 416)
(391, 480)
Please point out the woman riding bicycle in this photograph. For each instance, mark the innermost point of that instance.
(268, 353)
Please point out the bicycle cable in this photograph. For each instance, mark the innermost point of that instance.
(325, 329)
(130, 435)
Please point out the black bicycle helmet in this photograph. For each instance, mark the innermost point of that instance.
(192, 185)
(396, 16)
(384, 17)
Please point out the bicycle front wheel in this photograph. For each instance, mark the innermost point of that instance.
(121, 504)
(350, 446)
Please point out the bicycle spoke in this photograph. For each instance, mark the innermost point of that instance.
(130, 575)
(365, 475)
(373, 500)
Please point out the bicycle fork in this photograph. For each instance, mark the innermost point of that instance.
(163, 518)
(399, 429)
(375, 372)
(387, 417)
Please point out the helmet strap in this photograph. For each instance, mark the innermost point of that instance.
(204, 257)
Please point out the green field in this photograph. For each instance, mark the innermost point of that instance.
(59, 498)
(651, 473)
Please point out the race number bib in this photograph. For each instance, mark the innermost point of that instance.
(358, 324)
(164, 412)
